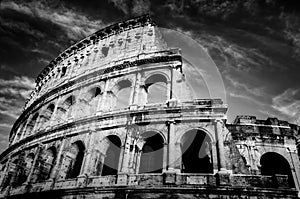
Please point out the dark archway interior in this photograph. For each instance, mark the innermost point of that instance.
(78, 150)
(152, 153)
(111, 161)
(273, 163)
(196, 152)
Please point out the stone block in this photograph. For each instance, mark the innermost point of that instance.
(81, 181)
(132, 180)
(169, 177)
(281, 181)
(122, 179)
(196, 180)
(223, 178)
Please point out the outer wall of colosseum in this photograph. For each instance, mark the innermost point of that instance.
(113, 117)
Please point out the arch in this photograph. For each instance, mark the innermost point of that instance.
(47, 163)
(156, 88)
(123, 94)
(151, 160)
(111, 161)
(65, 108)
(75, 155)
(46, 115)
(88, 103)
(31, 124)
(274, 163)
(182, 133)
(196, 149)
(92, 93)
(17, 172)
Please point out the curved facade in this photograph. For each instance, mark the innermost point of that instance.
(112, 117)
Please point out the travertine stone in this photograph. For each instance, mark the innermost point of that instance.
(113, 117)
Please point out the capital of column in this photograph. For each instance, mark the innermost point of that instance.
(171, 122)
(218, 121)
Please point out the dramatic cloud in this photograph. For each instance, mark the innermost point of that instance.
(76, 26)
(288, 103)
(254, 43)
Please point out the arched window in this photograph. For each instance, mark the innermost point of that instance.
(46, 115)
(46, 164)
(156, 89)
(64, 111)
(123, 94)
(152, 153)
(273, 163)
(31, 124)
(196, 151)
(75, 156)
(91, 99)
(22, 169)
(111, 161)
(17, 172)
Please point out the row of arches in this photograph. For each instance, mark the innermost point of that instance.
(196, 156)
(154, 90)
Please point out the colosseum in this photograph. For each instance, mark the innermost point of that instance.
(113, 117)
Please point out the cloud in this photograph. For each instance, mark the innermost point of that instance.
(288, 104)
(19, 82)
(13, 93)
(75, 25)
(236, 85)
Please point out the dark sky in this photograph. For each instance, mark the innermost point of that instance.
(254, 43)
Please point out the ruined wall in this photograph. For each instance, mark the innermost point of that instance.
(113, 113)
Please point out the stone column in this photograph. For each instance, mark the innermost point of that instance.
(58, 160)
(165, 157)
(171, 147)
(121, 159)
(133, 91)
(215, 157)
(89, 150)
(223, 175)
(220, 145)
(125, 154)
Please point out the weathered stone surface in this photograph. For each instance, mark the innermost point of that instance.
(113, 117)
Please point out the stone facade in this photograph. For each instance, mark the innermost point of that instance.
(112, 117)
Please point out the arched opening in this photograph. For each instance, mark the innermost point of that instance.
(46, 115)
(76, 155)
(111, 161)
(64, 111)
(47, 163)
(196, 151)
(156, 89)
(31, 124)
(152, 153)
(17, 172)
(91, 100)
(123, 94)
(274, 163)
